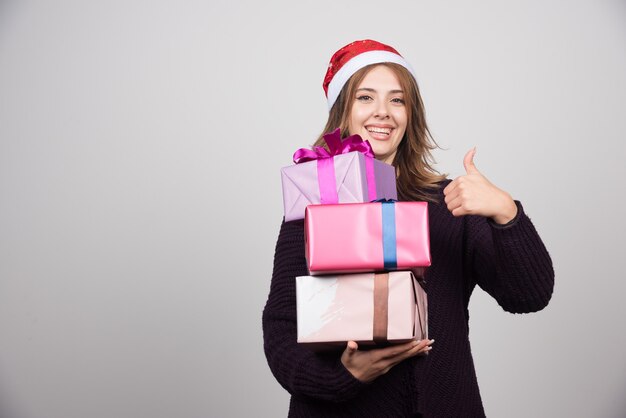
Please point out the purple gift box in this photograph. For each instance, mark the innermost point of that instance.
(346, 173)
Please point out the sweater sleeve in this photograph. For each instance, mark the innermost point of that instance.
(299, 370)
(510, 262)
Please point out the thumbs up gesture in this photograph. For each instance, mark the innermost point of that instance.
(473, 194)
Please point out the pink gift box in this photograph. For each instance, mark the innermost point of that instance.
(356, 237)
(368, 308)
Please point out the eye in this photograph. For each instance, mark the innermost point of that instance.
(364, 98)
(397, 100)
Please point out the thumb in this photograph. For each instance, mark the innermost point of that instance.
(351, 347)
(468, 162)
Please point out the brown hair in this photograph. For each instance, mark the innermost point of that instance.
(416, 178)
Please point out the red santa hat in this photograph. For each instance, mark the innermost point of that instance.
(351, 58)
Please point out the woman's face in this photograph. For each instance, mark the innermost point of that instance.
(378, 113)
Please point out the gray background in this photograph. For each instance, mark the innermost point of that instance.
(140, 200)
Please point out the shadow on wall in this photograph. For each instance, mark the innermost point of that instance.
(7, 10)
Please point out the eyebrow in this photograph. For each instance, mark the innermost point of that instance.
(374, 91)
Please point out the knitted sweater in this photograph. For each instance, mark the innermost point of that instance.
(509, 262)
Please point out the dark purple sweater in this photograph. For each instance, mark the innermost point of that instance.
(509, 262)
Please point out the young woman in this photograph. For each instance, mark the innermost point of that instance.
(479, 236)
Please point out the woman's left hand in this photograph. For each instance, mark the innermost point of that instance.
(473, 194)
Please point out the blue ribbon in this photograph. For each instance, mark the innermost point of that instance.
(389, 233)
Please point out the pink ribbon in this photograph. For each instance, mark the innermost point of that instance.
(326, 167)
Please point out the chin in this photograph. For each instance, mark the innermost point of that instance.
(379, 152)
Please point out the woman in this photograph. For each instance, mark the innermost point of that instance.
(479, 236)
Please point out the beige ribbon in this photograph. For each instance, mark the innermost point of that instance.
(381, 305)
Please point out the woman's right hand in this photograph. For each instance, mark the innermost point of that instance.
(369, 364)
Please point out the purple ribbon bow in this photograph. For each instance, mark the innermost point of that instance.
(335, 147)
(326, 167)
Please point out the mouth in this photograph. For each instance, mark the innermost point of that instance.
(379, 132)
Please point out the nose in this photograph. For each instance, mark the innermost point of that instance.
(381, 110)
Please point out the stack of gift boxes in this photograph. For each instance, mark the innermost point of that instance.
(365, 252)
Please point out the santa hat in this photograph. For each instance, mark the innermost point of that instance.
(351, 58)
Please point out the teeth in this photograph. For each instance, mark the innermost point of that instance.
(379, 130)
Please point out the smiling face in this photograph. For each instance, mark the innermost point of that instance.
(379, 113)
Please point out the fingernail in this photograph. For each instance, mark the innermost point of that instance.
(432, 341)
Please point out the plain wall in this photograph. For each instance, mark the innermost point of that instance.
(140, 197)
